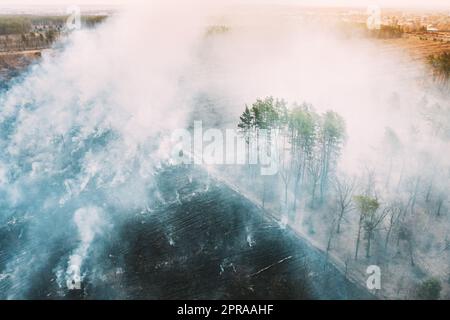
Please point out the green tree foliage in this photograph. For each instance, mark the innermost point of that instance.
(310, 143)
(246, 126)
(303, 122)
(246, 123)
(429, 290)
(304, 127)
(265, 114)
(368, 220)
(366, 205)
(332, 137)
(265, 120)
(50, 35)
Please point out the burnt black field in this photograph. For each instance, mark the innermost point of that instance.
(193, 244)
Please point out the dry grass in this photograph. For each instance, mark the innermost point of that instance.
(418, 47)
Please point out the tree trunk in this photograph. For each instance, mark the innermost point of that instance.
(324, 177)
(313, 195)
(400, 179)
(297, 182)
(341, 216)
(286, 186)
(369, 240)
(357, 244)
(248, 152)
(439, 207)
(264, 194)
(416, 190)
(428, 196)
(330, 240)
(388, 235)
(358, 240)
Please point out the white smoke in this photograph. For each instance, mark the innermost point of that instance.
(88, 125)
(90, 222)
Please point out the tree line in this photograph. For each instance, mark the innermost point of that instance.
(35, 32)
(308, 144)
(23, 24)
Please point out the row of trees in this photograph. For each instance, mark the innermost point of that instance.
(39, 40)
(28, 41)
(386, 32)
(30, 32)
(23, 24)
(309, 145)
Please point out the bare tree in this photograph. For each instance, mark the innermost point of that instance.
(393, 213)
(414, 193)
(314, 176)
(286, 164)
(371, 223)
(344, 188)
(406, 234)
(331, 234)
(439, 203)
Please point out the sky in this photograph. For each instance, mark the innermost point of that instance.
(386, 3)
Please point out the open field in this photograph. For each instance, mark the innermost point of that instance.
(418, 47)
(12, 63)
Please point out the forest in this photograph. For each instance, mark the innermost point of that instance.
(376, 215)
(28, 32)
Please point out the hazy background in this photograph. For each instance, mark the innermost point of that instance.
(331, 3)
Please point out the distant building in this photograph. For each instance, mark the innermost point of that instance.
(430, 28)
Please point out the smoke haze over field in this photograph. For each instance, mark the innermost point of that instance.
(331, 3)
(83, 133)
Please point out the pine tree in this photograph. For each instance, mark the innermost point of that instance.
(245, 126)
